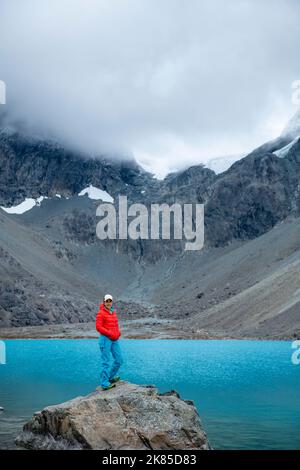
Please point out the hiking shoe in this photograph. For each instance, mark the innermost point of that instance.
(115, 379)
(108, 387)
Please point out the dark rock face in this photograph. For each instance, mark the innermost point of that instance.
(244, 202)
(128, 416)
(30, 168)
(252, 196)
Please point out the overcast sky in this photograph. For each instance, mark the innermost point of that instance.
(169, 82)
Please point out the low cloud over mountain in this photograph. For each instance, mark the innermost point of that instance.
(170, 83)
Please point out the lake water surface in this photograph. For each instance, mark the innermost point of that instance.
(247, 392)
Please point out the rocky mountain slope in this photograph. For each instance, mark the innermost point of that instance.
(54, 269)
(242, 203)
(32, 167)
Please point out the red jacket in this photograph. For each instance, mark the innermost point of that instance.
(107, 323)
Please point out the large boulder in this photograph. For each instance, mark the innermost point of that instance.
(128, 416)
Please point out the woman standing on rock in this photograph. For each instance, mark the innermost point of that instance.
(108, 327)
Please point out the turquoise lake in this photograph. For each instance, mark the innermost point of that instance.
(247, 392)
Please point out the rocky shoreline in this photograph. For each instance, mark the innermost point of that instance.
(143, 328)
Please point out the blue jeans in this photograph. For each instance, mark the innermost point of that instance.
(108, 346)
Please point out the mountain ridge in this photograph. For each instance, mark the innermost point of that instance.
(54, 248)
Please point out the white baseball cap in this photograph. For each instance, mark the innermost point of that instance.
(107, 297)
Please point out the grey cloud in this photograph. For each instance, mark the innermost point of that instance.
(170, 82)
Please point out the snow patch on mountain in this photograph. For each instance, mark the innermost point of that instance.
(281, 153)
(221, 164)
(96, 193)
(24, 206)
